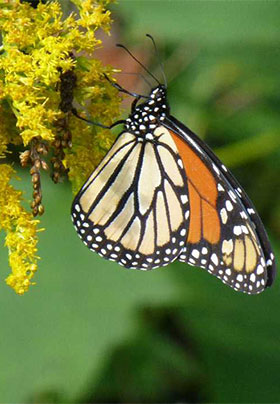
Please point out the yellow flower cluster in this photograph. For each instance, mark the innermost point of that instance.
(38, 47)
(89, 142)
(37, 44)
(21, 237)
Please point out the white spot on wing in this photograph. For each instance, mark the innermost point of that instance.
(184, 198)
(214, 259)
(237, 230)
(216, 168)
(229, 206)
(195, 253)
(224, 215)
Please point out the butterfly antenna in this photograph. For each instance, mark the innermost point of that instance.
(136, 60)
(159, 59)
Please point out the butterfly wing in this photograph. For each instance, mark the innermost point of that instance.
(225, 234)
(132, 208)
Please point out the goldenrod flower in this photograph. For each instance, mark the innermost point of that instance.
(43, 66)
(21, 234)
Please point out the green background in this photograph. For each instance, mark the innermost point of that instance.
(91, 331)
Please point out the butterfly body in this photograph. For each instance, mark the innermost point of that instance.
(160, 195)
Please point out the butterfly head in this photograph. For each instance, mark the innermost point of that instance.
(146, 116)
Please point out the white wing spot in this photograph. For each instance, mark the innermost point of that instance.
(184, 198)
(195, 253)
(245, 229)
(220, 187)
(229, 206)
(183, 232)
(214, 259)
(224, 215)
(232, 195)
(149, 136)
(180, 163)
(216, 169)
(237, 230)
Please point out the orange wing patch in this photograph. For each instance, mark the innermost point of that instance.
(204, 219)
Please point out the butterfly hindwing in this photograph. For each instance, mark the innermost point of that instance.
(132, 209)
(222, 236)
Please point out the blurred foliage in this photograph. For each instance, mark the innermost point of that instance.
(94, 332)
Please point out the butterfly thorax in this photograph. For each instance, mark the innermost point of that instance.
(146, 117)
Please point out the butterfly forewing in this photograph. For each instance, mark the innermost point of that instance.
(133, 208)
(222, 236)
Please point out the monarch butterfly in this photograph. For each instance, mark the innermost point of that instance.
(160, 195)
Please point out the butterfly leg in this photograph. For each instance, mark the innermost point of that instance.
(123, 90)
(74, 112)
